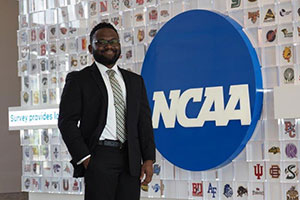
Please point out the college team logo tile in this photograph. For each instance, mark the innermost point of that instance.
(257, 191)
(292, 194)
(66, 184)
(103, 6)
(212, 190)
(27, 183)
(286, 33)
(284, 12)
(253, 16)
(291, 150)
(258, 171)
(269, 17)
(228, 191)
(274, 171)
(289, 127)
(274, 150)
(164, 13)
(242, 191)
(156, 169)
(287, 53)
(197, 189)
(289, 77)
(271, 35)
(145, 188)
(291, 172)
(235, 3)
(153, 15)
(156, 187)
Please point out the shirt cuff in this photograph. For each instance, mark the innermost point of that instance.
(83, 159)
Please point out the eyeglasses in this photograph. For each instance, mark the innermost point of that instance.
(113, 42)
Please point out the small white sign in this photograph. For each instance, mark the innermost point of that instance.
(20, 118)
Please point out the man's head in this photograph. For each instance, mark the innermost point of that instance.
(105, 44)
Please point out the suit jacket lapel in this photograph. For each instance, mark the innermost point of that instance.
(100, 82)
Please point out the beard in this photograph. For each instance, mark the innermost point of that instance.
(101, 58)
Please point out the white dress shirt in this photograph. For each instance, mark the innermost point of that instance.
(109, 131)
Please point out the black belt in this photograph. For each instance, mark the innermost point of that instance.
(112, 143)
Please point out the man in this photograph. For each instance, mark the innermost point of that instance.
(105, 121)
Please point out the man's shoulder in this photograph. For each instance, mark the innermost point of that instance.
(81, 74)
(131, 74)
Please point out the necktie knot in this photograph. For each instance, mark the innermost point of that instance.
(110, 72)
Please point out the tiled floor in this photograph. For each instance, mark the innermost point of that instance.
(14, 196)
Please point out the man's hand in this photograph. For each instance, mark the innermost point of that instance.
(86, 162)
(147, 168)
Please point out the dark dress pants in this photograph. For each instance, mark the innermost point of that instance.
(107, 176)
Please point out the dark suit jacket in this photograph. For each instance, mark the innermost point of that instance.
(85, 99)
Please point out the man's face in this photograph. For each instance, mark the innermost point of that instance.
(105, 47)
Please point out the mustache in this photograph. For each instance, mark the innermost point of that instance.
(104, 50)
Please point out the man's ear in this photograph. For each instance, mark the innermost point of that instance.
(90, 49)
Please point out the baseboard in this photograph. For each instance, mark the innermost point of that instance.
(14, 196)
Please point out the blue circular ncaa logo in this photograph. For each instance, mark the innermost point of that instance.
(204, 86)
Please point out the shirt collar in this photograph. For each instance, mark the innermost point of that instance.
(103, 69)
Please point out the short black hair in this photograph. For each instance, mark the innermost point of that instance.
(100, 26)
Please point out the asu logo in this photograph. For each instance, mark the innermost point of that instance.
(213, 97)
(287, 53)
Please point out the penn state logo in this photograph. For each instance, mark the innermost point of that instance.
(201, 95)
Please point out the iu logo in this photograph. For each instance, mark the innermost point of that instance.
(258, 171)
(197, 189)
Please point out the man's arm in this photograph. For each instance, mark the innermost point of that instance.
(146, 137)
(69, 115)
